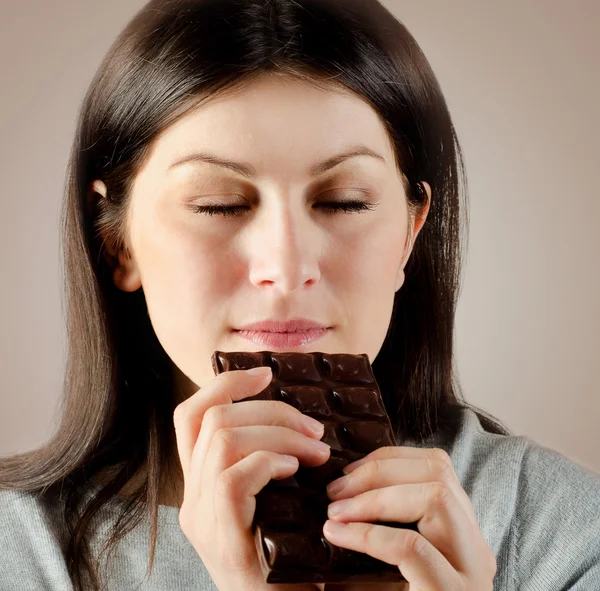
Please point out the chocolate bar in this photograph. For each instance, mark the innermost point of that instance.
(340, 391)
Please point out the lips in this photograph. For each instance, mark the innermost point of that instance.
(281, 335)
(284, 326)
(282, 340)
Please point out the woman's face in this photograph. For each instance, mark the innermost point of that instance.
(283, 255)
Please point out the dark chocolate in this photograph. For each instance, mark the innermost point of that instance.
(340, 391)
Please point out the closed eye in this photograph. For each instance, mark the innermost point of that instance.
(328, 207)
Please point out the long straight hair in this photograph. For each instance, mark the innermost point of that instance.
(118, 401)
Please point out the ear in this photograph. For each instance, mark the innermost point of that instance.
(126, 275)
(416, 224)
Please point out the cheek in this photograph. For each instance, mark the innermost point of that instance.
(184, 274)
(368, 260)
(368, 276)
(188, 282)
(365, 274)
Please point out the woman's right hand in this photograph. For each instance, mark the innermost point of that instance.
(228, 453)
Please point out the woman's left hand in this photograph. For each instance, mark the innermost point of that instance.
(405, 484)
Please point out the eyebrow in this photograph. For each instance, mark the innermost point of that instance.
(249, 171)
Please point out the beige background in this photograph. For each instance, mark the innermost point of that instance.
(521, 79)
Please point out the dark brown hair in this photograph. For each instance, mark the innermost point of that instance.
(117, 409)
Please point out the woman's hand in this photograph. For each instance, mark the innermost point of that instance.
(228, 453)
(405, 484)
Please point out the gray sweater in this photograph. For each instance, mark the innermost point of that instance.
(538, 510)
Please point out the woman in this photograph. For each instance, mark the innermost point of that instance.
(239, 161)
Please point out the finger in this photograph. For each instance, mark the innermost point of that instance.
(235, 489)
(382, 473)
(435, 466)
(223, 389)
(229, 446)
(254, 412)
(421, 564)
(440, 518)
(391, 451)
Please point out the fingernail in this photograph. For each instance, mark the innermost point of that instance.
(351, 467)
(320, 446)
(259, 372)
(334, 527)
(315, 426)
(337, 507)
(337, 486)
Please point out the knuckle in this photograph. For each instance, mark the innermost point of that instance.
(440, 464)
(377, 500)
(263, 456)
(227, 482)
(440, 454)
(224, 441)
(438, 494)
(379, 465)
(414, 545)
(440, 469)
(214, 417)
(226, 436)
(369, 536)
(375, 454)
(368, 471)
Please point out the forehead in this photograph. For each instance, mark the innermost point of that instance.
(275, 120)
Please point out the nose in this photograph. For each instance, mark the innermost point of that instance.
(284, 249)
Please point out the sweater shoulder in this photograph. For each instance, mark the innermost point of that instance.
(538, 509)
(557, 523)
(29, 544)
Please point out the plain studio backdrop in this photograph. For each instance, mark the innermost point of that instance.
(522, 82)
